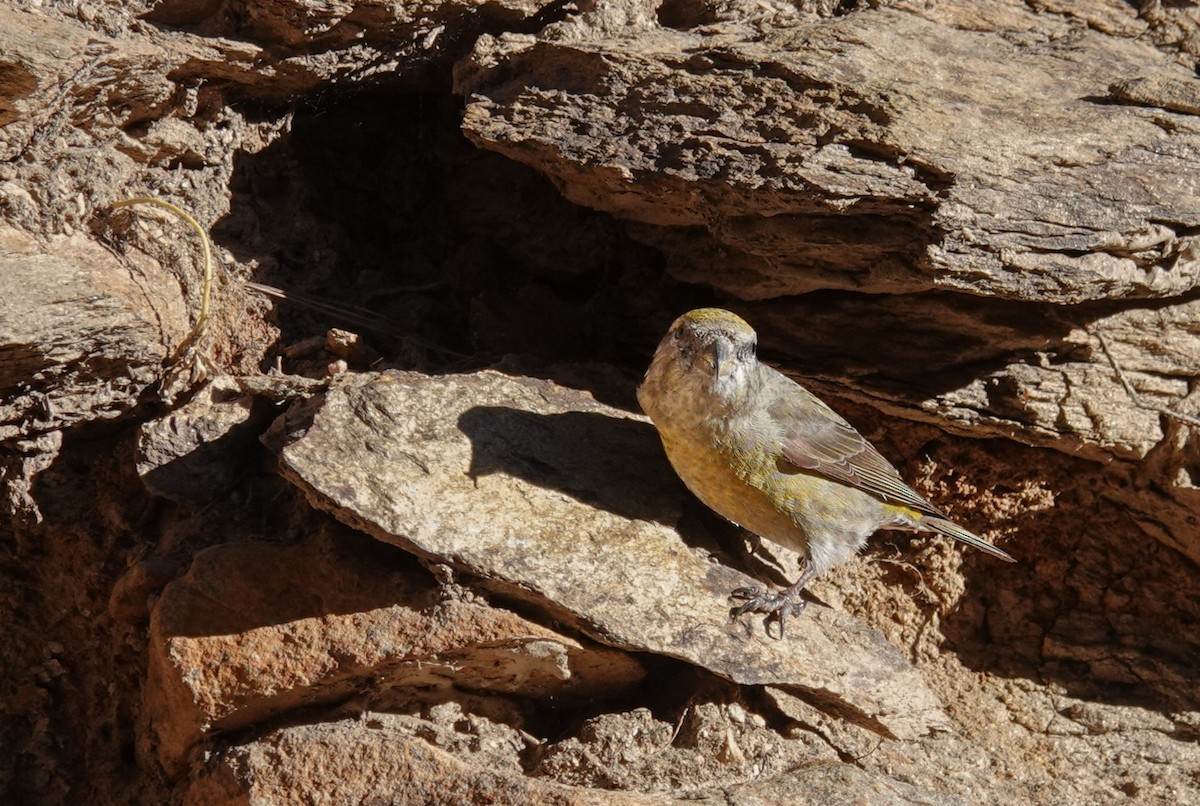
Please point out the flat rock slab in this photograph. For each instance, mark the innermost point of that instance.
(570, 505)
(373, 762)
(253, 631)
(379, 760)
(972, 146)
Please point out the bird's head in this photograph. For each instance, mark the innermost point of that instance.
(714, 348)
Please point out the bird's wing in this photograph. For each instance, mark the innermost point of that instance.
(816, 438)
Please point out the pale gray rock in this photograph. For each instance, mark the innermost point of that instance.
(569, 505)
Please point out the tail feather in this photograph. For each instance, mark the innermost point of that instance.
(951, 529)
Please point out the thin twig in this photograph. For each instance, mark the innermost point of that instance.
(354, 314)
(350, 313)
(206, 288)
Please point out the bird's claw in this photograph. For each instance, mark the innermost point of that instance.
(776, 606)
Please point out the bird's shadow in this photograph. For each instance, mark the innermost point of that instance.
(612, 463)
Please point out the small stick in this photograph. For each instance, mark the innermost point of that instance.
(206, 288)
(353, 314)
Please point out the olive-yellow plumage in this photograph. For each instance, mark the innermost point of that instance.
(767, 454)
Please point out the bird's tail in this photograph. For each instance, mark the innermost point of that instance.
(942, 526)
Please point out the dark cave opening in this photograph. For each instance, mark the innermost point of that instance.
(378, 204)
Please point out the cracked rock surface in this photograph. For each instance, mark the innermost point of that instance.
(394, 532)
(497, 476)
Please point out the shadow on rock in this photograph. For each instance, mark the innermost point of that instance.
(235, 588)
(1094, 606)
(608, 462)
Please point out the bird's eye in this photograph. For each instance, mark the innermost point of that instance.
(745, 351)
(683, 345)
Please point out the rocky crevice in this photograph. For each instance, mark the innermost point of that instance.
(952, 219)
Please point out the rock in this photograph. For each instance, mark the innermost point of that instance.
(714, 751)
(570, 506)
(998, 221)
(284, 49)
(253, 631)
(942, 763)
(198, 450)
(376, 760)
(21, 460)
(381, 759)
(976, 197)
(63, 363)
(771, 158)
(131, 597)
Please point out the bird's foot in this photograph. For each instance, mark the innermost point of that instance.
(776, 606)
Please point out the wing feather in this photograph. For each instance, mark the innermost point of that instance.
(818, 439)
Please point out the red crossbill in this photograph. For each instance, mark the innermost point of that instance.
(767, 454)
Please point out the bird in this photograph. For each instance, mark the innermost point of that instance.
(770, 456)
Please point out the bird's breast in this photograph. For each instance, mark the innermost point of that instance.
(732, 479)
